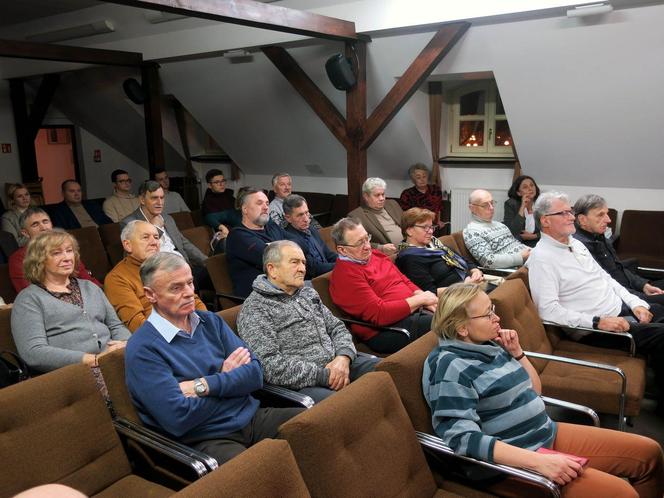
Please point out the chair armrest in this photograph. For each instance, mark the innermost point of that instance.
(198, 461)
(497, 271)
(599, 366)
(436, 445)
(286, 394)
(568, 405)
(626, 335)
(367, 324)
(658, 271)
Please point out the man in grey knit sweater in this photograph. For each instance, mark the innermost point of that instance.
(298, 341)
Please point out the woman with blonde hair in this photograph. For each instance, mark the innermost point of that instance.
(60, 319)
(18, 200)
(484, 399)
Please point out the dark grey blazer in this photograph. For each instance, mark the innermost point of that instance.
(189, 251)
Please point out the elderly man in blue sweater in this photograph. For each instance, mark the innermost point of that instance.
(189, 375)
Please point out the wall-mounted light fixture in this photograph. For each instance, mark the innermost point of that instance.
(89, 29)
(594, 9)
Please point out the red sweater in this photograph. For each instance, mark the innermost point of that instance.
(375, 292)
(18, 277)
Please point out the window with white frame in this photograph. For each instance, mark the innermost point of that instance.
(477, 122)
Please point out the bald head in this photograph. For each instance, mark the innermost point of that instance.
(481, 204)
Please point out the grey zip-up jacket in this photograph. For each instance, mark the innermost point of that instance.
(294, 337)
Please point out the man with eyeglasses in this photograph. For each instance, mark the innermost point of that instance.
(122, 203)
(320, 259)
(490, 242)
(368, 286)
(218, 207)
(570, 288)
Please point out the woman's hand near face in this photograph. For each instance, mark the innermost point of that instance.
(509, 340)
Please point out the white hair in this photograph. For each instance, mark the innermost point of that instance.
(372, 183)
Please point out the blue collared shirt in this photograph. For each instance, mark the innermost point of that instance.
(167, 330)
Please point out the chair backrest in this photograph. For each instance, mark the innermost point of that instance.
(217, 267)
(112, 367)
(405, 367)
(339, 208)
(7, 291)
(518, 312)
(110, 237)
(461, 246)
(92, 251)
(326, 235)
(450, 242)
(230, 316)
(267, 468)
(6, 338)
(200, 237)
(613, 214)
(521, 274)
(322, 285)
(197, 217)
(183, 220)
(360, 442)
(639, 240)
(56, 428)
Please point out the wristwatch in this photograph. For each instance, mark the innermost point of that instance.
(199, 388)
(596, 322)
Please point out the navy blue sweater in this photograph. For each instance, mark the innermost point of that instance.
(154, 368)
(320, 259)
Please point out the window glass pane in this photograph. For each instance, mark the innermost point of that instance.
(499, 104)
(471, 133)
(503, 136)
(472, 103)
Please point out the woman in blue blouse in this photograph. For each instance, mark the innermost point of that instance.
(484, 399)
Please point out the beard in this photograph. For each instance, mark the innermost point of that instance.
(262, 220)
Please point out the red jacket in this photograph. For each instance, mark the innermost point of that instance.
(18, 277)
(375, 292)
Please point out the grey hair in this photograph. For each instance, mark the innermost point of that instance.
(243, 194)
(372, 183)
(129, 229)
(543, 203)
(340, 228)
(473, 196)
(148, 186)
(31, 211)
(417, 167)
(272, 252)
(293, 201)
(164, 261)
(275, 178)
(587, 202)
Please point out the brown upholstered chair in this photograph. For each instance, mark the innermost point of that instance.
(606, 380)
(459, 245)
(92, 251)
(200, 237)
(639, 240)
(110, 237)
(326, 235)
(367, 443)
(183, 220)
(217, 268)
(6, 338)
(197, 218)
(7, 291)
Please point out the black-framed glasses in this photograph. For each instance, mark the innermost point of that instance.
(566, 212)
(485, 205)
(489, 315)
(359, 243)
(426, 228)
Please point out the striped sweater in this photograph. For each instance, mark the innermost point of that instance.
(479, 394)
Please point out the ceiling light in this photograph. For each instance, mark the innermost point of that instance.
(590, 10)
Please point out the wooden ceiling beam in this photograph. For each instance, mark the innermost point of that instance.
(412, 78)
(254, 14)
(316, 99)
(66, 53)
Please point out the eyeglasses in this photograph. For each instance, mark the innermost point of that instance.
(485, 205)
(426, 228)
(566, 212)
(489, 315)
(359, 243)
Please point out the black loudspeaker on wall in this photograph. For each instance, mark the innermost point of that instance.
(134, 91)
(340, 71)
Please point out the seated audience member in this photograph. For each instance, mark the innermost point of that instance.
(380, 217)
(59, 319)
(74, 212)
(189, 375)
(490, 242)
(592, 220)
(19, 200)
(422, 194)
(518, 215)
(366, 285)
(34, 221)
(246, 243)
(173, 202)
(298, 341)
(122, 203)
(218, 206)
(151, 197)
(484, 398)
(425, 260)
(320, 259)
(282, 185)
(570, 288)
(123, 286)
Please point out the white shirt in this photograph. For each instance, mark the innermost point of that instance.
(570, 288)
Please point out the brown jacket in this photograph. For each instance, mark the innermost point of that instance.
(371, 223)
